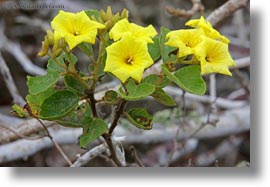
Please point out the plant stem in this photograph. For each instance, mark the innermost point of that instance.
(92, 103)
(113, 156)
(119, 110)
(98, 62)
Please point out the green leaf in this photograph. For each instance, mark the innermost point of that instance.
(19, 110)
(35, 101)
(136, 92)
(80, 117)
(86, 48)
(163, 97)
(191, 80)
(96, 128)
(188, 78)
(111, 97)
(91, 13)
(140, 118)
(164, 49)
(40, 84)
(154, 49)
(74, 85)
(53, 66)
(58, 105)
(158, 80)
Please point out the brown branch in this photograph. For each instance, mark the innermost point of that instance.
(113, 155)
(197, 6)
(225, 10)
(55, 143)
(135, 156)
(119, 110)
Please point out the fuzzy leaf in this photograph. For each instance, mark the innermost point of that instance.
(154, 49)
(35, 101)
(58, 105)
(136, 92)
(164, 49)
(80, 117)
(74, 85)
(19, 110)
(188, 78)
(140, 118)
(111, 97)
(163, 97)
(40, 84)
(96, 128)
(91, 13)
(86, 48)
(191, 79)
(53, 66)
(157, 80)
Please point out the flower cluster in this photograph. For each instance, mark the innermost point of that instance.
(128, 56)
(206, 45)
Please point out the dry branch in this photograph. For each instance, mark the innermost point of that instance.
(225, 10)
(26, 128)
(89, 155)
(196, 7)
(231, 122)
(16, 50)
(17, 98)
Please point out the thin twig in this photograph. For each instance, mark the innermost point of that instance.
(135, 156)
(197, 6)
(18, 134)
(54, 143)
(242, 82)
(25, 129)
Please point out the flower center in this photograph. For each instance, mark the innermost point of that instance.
(129, 61)
(208, 59)
(76, 33)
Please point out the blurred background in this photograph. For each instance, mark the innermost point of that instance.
(23, 25)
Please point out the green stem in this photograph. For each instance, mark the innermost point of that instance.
(58, 63)
(102, 46)
(73, 68)
(192, 61)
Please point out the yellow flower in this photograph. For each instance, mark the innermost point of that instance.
(75, 28)
(123, 27)
(185, 40)
(127, 58)
(214, 57)
(207, 28)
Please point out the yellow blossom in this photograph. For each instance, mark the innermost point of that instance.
(123, 27)
(127, 58)
(185, 40)
(214, 57)
(75, 28)
(207, 28)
